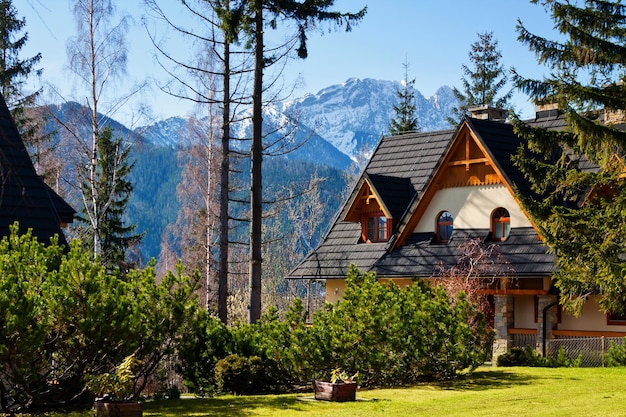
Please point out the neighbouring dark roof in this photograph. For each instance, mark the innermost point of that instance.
(24, 197)
(413, 159)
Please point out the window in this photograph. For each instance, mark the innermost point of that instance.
(500, 224)
(376, 228)
(444, 227)
(613, 319)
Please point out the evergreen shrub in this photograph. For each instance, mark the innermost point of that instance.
(391, 336)
(66, 316)
(616, 355)
(240, 374)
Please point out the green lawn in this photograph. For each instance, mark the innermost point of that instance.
(487, 392)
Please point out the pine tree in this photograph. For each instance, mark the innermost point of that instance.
(484, 80)
(405, 120)
(580, 212)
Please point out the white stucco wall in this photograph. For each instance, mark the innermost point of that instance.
(471, 207)
(591, 319)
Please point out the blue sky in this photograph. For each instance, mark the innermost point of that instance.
(433, 36)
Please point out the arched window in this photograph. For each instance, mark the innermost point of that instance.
(444, 227)
(500, 224)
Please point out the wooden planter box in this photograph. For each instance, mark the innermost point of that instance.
(107, 409)
(335, 392)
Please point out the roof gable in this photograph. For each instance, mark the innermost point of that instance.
(379, 194)
(366, 200)
(468, 161)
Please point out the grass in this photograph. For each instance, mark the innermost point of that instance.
(486, 392)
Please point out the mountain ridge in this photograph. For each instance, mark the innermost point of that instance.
(351, 117)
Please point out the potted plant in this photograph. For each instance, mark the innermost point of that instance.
(342, 387)
(114, 391)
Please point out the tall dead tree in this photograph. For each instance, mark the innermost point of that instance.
(213, 63)
(251, 14)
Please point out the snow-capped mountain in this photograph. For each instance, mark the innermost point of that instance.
(354, 115)
(169, 132)
(350, 117)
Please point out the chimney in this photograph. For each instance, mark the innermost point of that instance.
(486, 112)
(543, 110)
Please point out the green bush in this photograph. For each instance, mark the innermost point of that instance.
(208, 341)
(527, 356)
(66, 316)
(393, 336)
(241, 375)
(616, 355)
(389, 335)
(520, 356)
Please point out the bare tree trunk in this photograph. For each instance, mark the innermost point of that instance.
(222, 284)
(256, 182)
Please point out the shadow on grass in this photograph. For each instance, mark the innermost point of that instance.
(240, 406)
(485, 380)
(220, 406)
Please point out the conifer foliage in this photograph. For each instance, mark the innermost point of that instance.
(483, 80)
(113, 191)
(580, 207)
(14, 70)
(405, 120)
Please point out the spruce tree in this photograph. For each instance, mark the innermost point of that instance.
(14, 71)
(483, 80)
(405, 120)
(111, 197)
(577, 173)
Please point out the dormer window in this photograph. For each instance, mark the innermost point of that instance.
(500, 224)
(444, 227)
(376, 228)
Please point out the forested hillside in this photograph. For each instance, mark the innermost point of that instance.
(328, 131)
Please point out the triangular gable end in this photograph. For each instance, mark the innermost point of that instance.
(365, 201)
(466, 163)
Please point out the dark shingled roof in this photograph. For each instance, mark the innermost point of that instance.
(420, 257)
(24, 197)
(395, 192)
(400, 169)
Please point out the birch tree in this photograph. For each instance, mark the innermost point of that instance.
(98, 56)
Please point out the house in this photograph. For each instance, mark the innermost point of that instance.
(422, 195)
(24, 196)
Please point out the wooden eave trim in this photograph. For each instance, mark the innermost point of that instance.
(489, 291)
(587, 333)
(512, 330)
(354, 198)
